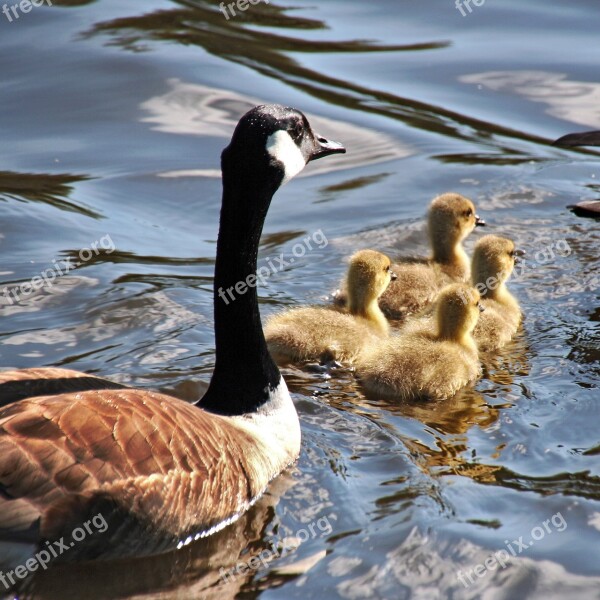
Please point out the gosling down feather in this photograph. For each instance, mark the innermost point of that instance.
(431, 358)
(450, 220)
(322, 333)
(162, 471)
(493, 263)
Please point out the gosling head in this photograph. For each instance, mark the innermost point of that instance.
(457, 311)
(493, 262)
(274, 143)
(369, 275)
(451, 219)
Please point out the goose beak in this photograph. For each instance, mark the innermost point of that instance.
(324, 147)
(479, 222)
(393, 276)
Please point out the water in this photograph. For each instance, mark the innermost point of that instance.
(113, 115)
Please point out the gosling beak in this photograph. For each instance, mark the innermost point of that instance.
(481, 307)
(519, 254)
(393, 276)
(324, 147)
(479, 222)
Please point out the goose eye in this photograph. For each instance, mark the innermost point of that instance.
(296, 131)
(387, 269)
(512, 253)
(468, 213)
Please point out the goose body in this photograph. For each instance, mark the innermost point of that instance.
(493, 263)
(162, 471)
(45, 381)
(432, 358)
(322, 333)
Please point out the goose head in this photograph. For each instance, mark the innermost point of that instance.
(369, 275)
(493, 262)
(457, 311)
(271, 144)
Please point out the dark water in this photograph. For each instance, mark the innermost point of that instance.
(113, 114)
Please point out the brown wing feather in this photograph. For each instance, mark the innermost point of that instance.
(28, 383)
(66, 458)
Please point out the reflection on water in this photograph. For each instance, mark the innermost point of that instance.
(203, 25)
(190, 109)
(106, 123)
(49, 188)
(575, 101)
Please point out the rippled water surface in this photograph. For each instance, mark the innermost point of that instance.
(113, 115)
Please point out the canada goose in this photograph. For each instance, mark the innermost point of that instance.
(321, 332)
(493, 262)
(432, 358)
(161, 471)
(450, 220)
(587, 208)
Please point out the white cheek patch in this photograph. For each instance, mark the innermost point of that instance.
(282, 148)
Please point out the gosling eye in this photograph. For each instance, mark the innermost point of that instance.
(512, 254)
(386, 269)
(468, 213)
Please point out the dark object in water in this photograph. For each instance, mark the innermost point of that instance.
(583, 138)
(588, 208)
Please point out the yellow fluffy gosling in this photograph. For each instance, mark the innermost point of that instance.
(493, 263)
(450, 220)
(433, 358)
(322, 333)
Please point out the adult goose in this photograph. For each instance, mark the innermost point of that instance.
(161, 471)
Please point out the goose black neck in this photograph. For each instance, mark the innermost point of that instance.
(244, 370)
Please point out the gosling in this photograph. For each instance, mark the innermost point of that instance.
(325, 334)
(433, 358)
(493, 262)
(450, 220)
